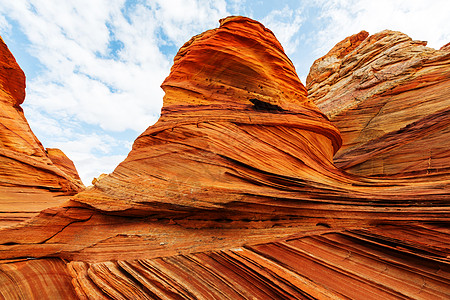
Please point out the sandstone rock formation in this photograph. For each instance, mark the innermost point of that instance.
(60, 160)
(29, 180)
(233, 194)
(388, 95)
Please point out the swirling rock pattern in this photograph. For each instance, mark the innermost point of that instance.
(233, 194)
(388, 95)
(233, 106)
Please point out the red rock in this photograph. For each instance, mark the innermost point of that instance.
(388, 96)
(29, 181)
(65, 164)
(12, 78)
(36, 279)
(210, 115)
(233, 194)
(446, 47)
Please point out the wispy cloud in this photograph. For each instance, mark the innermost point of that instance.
(178, 19)
(421, 20)
(4, 25)
(285, 24)
(237, 7)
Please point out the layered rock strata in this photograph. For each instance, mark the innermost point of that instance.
(233, 194)
(29, 180)
(388, 95)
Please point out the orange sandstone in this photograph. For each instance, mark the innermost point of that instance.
(233, 194)
(388, 95)
(29, 180)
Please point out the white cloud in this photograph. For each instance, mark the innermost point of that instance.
(420, 19)
(285, 24)
(92, 152)
(237, 7)
(180, 19)
(90, 166)
(4, 25)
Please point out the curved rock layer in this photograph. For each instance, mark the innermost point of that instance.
(233, 194)
(357, 264)
(234, 108)
(388, 95)
(29, 180)
(387, 262)
(36, 279)
(223, 143)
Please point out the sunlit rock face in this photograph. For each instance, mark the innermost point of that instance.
(65, 164)
(233, 194)
(29, 180)
(234, 114)
(388, 95)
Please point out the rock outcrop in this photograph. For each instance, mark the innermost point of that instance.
(29, 180)
(388, 95)
(234, 109)
(65, 164)
(233, 194)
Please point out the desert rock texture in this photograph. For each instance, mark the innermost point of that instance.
(31, 177)
(248, 188)
(389, 97)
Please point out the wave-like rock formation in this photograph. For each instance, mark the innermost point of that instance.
(388, 95)
(234, 115)
(30, 180)
(233, 194)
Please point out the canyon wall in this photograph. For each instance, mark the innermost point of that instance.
(388, 95)
(233, 193)
(30, 180)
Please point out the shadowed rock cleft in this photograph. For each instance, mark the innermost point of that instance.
(261, 105)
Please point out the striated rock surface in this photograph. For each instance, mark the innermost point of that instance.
(233, 194)
(234, 110)
(388, 95)
(29, 180)
(356, 264)
(36, 279)
(65, 164)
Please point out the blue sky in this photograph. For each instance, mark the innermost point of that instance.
(94, 67)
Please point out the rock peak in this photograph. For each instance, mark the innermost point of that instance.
(233, 99)
(388, 94)
(12, 78)
(29, 178)
(229, 65)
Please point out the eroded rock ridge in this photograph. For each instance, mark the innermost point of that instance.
(233, 193)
